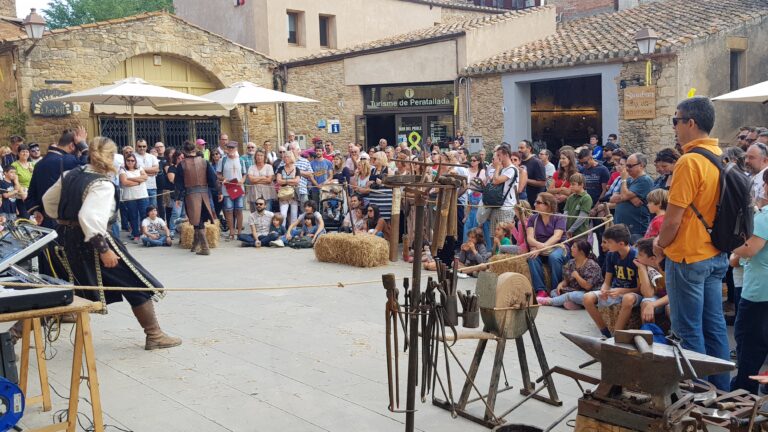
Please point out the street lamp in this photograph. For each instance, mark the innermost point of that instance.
(646, 43)
(34, 25)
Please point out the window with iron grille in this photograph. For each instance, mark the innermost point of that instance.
(172, 132)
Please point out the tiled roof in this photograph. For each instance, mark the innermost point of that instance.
(11, 28)
(610, 36)
(128, 19)
(458, 4)
(446, 30)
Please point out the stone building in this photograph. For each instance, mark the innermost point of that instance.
(589, 77)
(286, 29)
(401, 88)
(158, 47)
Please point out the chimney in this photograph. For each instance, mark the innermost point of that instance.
(8, 8)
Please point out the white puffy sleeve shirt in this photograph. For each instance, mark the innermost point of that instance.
(98, 207)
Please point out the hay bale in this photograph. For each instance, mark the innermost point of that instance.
(609, 314)
(212, 233)
(360, 250)
(517, 266)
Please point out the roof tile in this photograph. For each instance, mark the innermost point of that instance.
(611, 35)
(454, 27)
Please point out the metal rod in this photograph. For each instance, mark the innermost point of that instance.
(413, 355)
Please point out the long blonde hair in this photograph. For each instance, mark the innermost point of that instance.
(364, 168)
(101, 153)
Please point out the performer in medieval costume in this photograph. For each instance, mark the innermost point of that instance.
(196, 183)
(84, 203)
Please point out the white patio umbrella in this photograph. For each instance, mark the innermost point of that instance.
(241, 93)
(757, 93)
(132, 92)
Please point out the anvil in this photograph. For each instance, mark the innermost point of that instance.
(652, 369)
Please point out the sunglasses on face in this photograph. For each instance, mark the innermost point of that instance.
(539, 202)
(259, 204)
(742, 137)
(632, 165)
(141, 146)
(676, 120)
(130, 160)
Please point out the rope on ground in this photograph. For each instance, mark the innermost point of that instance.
(537, 252)
(112, 288)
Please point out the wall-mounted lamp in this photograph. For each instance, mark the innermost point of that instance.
(646, 43)
(34, 25)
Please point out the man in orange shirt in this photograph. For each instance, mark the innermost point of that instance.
(695, 267)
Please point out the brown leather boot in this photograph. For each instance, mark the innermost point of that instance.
(196, 241)
(204, 250)
(156, 339)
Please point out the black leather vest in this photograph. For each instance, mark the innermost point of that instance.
(74, 188)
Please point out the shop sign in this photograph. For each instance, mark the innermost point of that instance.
(640, 103)
(399, 97)
(334, 126)
(42, 105)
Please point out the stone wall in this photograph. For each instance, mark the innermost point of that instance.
(650, 136)
(85, 55)
(8, 8)
(573, 9)
(323, 82)
(487, 100)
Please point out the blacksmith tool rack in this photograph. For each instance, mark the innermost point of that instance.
(433, 315)
(646, 386)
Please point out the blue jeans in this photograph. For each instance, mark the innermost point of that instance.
(124, 221)
(234, 204)
(556, 260)
(148, 242)
(574, 296)
(248, 239)
(152, 197)
(177, 213)
(137, 211)
(751, 333)
(696, 306)
(115, 230)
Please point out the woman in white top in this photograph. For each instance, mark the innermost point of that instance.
(475, 196)
(134, 194)
(288, 176)
(261, 178)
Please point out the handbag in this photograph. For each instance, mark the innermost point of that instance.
(234, 190)
(286, 193)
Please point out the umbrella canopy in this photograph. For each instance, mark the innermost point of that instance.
(754, 93)
(241, 93)
(132, 92)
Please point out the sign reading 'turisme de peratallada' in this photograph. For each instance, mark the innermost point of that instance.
(640, 103)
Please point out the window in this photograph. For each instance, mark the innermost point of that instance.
(327, 31)
(737, 67)
(293, 28)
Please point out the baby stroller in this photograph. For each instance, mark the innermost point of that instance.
(332, 206)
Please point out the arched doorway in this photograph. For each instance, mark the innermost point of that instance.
(172, 128)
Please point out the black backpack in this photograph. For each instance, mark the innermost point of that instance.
(734, 213)
(494, 196)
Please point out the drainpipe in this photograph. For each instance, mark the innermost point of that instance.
(467, 81)
(280, 83)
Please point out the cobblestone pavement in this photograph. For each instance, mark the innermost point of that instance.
(287, 360)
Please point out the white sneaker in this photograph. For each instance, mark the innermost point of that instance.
(277, 243)
(462, 275)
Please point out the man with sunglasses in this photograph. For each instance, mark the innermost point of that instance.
(595, 175)
(34, 153)
(757, 163)
(631, 208)
(149, 163)
(695, 268)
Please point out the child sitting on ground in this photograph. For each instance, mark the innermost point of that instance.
(308, 229)
(657, 204)
(472, 252)
(580, 275)
(620, 285)
(650, 269)
(277, 230)
(154, 231)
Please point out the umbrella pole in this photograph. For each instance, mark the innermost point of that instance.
(133, 125)
(245, 128)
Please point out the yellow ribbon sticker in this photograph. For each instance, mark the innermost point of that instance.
(414, 139)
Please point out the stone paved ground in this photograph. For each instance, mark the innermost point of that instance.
(288, 360)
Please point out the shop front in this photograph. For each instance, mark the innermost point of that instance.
(410, 113)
